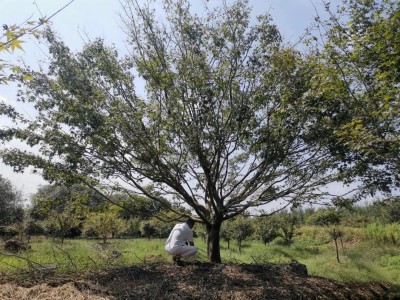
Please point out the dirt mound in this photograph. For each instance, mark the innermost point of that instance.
(195, 281)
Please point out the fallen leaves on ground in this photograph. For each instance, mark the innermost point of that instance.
(197, 280)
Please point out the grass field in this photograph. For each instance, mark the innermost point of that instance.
(360, 261)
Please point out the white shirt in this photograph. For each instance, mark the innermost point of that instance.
(180, 234)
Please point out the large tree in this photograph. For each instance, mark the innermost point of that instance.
(224, 123)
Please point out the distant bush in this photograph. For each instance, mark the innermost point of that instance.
(16, 246)
(34, 228)
(158, 228)
(314, 233)
(352, 234)
(105, 224)
(90, 232)
(73, 232)
(131, 229)
(324, 217)
(283, 224)
(148, 230)
(386, 233)
(8, 232)
(358, 221)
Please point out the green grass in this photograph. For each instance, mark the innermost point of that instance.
(361, 261)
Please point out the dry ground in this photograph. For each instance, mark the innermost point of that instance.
(194, 281)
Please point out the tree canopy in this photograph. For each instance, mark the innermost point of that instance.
(358, 53)
(11, 209)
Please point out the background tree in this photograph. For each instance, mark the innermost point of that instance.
(331, 219)
(287, 224)
(281, 224)
(33, 228)
(227, 232)
(162, 229)
(387, 211)
(8, 232)
(324, 217)
(241, 229)
(131, 228)
(11, 206)
(137, 206)
(266, 229)
(200, 231)
(223, 126)
(60, 224)
(56, 198)
(105, 224)
(148, 230)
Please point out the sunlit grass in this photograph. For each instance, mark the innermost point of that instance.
(361, 261)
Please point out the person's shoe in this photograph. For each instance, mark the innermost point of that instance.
(178, 262)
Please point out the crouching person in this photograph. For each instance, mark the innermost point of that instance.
(180, 241)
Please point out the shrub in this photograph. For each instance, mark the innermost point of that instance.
(8, 232)
(324, 217)
(132, 229)
(16, 246)
(358, 221)
(314, 233)
(266, 230)
(161, 228)
(90, 233)
(105, 224)
(389, 233)
(148, 230)
(33, 229)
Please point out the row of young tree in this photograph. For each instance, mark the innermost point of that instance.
(232, 117)
(77, 211)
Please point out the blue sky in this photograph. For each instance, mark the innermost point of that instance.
(84, 19)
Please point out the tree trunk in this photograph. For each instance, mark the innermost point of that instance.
(337, 251)
(213, 247)
(341, 244)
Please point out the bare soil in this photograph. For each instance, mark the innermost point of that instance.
(197, 280)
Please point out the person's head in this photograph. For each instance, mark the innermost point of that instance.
(190, 222)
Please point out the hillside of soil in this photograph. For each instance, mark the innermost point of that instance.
(197, 280)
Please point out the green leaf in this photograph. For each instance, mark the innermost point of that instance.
(16, 44)
(27, 77)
